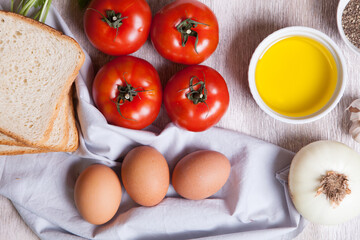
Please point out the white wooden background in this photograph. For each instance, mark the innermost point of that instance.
(243, 25)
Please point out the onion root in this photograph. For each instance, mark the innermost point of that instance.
(335, 186)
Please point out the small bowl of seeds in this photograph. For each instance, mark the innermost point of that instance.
(348, 21)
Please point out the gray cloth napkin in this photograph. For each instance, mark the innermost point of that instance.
(253, 204)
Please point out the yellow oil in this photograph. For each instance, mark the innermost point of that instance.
(296, 76)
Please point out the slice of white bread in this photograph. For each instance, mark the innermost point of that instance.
(59, 134)
(71, 136)
(37, 67)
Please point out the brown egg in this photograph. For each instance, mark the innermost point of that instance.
(200, 174)
(145, 175)
(97, 194)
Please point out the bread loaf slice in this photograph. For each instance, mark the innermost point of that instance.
(37, 67)
(71, 136)
(59, 134)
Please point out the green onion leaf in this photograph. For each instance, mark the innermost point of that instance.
(37, 9)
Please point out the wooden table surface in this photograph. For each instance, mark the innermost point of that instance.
(243, 25)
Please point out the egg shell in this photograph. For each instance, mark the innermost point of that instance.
(145, 175)
(97, 194)
(200, 174)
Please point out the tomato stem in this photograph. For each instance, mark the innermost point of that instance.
(186, 31)
(113, 19)
(199, 95)
(126, 94)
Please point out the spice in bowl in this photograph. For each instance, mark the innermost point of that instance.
(351, 22)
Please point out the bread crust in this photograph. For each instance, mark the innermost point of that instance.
(11, 142)
(72, 123)
(63, 143)
(41, 143)
(23, 150)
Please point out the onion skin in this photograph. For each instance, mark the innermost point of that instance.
(308, 166)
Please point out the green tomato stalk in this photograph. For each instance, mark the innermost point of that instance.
(126, 94)
(197, 95)
(186, 29)
(40, 7)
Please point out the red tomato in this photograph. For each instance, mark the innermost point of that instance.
(185, 31)
(117, 27)
(196, 98)
(127, 90)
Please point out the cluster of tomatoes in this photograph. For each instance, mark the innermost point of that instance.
(128, 91)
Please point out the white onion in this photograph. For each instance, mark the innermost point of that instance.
(308, 168)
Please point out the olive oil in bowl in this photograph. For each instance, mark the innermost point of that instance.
(296, 76)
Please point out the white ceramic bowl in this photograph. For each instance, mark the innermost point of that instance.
(305, 32)
(340, 10)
